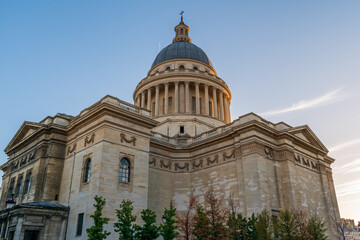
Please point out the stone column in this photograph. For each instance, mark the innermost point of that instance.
(197, 95)
(166, 103)
(176, 96)
(19, 226)
(226, 108)
(215, 103)
(187, 98)
(221, 98)
(138, 100)
(206, 100)
(157, 100)
(149, 99)
(143, 99)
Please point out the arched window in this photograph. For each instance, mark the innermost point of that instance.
(87, 171)
(124, 172)
(181, 31)
(167, 68)
(195, 68)
(182, 67)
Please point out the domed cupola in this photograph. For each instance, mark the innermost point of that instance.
(182, 89)
(182, 47)
(182, 32)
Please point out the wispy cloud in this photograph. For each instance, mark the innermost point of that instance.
(330, 97)
(349, 188)
(353, 166)
(344, 145)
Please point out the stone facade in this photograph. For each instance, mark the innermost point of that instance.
(176, 140)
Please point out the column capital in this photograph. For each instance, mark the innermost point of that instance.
(196, 83)
(166, 84)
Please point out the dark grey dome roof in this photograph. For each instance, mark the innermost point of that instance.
(185, 50)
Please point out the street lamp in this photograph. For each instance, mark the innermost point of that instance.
(10, 202)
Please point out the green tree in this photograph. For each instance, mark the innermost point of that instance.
(168, 229)
(252, 223)
(316, 229)
(201, 224)
(124, 225)
(149, 231)
(238, 226)
(217, 216)
(288, 226)
(96, 231)
(264, 226)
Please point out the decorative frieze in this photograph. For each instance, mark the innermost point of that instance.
(229, 156)
(197, 165)
(185, 166)
(89, 139)
(165, 165)
(214, 160)
(71, 149)
(131, 140)
(306, 162)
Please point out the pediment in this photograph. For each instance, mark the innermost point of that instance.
(25, 131)
(307, 135)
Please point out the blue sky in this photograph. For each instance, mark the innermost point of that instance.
(291, 61)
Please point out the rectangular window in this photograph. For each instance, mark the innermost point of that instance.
(182, 129)
(210, 108)
(193, 105)
(163, 106)
(170, 105)
(153, 109)
(27, 183)
(79, 224)
(12, 186)
(200, 105)
(19, 185)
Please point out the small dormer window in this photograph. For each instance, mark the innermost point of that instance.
(195, 68)
(182, 67)
(167, 68)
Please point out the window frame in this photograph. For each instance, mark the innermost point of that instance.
(87, 171)
(125, 171)
(79, 227)
(27, 183)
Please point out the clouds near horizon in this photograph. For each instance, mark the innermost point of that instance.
(328, 98)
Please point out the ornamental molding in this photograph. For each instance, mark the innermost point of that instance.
(131, 140)
(71, 149)
(306, 162)
(89, 139)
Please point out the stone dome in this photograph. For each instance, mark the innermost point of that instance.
(182, 49)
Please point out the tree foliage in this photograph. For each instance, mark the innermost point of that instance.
(201, 224)
(186, 220)
(96, 231)
(217, 216)
(124, 225)
(316, 229)
(169, 227)
(264, 226)
(288, 226)
(149, 231)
